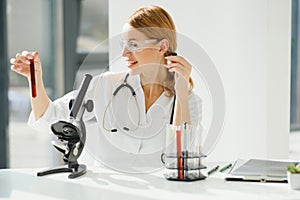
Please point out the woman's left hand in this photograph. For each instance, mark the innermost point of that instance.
(182, 69)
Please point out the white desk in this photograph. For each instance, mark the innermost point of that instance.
(102, 183)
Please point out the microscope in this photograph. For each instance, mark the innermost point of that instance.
(71, 134)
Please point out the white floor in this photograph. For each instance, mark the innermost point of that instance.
(30, 149)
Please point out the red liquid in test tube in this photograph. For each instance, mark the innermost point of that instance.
(32, 78)
(179, 154)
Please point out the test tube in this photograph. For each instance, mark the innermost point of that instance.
(184, 136)
(32, 78)
(179, 153)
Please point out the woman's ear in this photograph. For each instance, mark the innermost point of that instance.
(164, 46)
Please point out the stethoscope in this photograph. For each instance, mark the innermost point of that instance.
(126, 85)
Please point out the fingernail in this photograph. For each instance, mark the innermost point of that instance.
(27, 62)
(12, 60)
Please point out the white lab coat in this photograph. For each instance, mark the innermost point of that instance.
(130, 151)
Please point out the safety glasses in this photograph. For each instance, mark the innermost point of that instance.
(136, 45)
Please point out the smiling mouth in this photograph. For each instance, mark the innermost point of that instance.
(130, 64)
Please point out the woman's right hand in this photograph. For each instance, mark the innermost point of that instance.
(21, 63)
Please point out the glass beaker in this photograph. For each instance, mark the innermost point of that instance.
(182, 155)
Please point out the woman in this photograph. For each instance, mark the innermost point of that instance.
(132, 128)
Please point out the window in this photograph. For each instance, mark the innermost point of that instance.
(43, 30)
(92, 32)
(32, 31)
(93, 26)
(295, 68)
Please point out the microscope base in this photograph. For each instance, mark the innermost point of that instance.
(79, 170)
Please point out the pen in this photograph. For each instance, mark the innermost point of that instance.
(225, 167)
(32, 78)
(213, 170)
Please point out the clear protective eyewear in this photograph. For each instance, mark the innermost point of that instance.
(135, 45)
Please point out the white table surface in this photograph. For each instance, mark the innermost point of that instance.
(103, 183)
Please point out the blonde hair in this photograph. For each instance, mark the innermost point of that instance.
(155, 22)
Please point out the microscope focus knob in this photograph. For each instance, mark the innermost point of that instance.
(89, 105)
(71, 102)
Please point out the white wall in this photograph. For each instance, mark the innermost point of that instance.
(248, 41)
